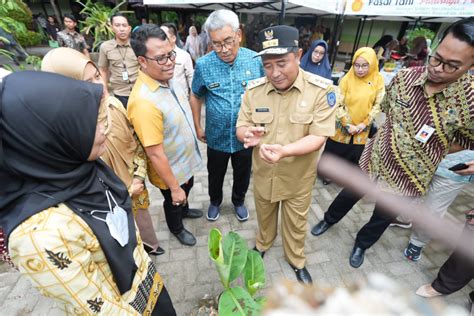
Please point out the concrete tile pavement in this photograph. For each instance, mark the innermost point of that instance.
(189, 273)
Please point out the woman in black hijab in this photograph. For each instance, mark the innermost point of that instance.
(66, 215)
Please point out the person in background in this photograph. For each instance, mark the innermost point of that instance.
(403, 46)
(66, 215)
(418, 53)
(52, 28)
(286, 118)
(161, 116)
(183, 70)
(316, 60)
(444, 188)
(69, 37)
(193, 44)
(380, 47)
(220, 80)
(205, 45)
(124, 153)
(389, 48)
(361, 92)
(118, 64)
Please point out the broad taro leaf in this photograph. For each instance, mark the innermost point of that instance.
(237, 301)
(254, 272)
(235, 254)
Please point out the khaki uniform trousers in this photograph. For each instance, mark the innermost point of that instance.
(294, 215)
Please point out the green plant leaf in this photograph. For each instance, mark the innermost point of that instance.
(254, 272)
(217, 255)
(237, 301)
(235, 254)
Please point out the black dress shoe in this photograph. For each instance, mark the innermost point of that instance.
(320, 228)
(357, 257)
(302, 275)
(192, 213)
(262, 253)
(186, 238)
(153, 252)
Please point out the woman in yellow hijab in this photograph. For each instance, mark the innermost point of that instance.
(362, 90)
(124, 153)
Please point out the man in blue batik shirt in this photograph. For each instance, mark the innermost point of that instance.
(220, 79)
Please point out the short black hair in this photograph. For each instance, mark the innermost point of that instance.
(172, 27)
(70, 17)
(141, 36)
(117, 15)
(463, 30)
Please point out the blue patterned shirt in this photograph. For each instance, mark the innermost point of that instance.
(222, 86)
(452, 160)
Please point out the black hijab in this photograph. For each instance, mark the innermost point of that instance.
(47, 130)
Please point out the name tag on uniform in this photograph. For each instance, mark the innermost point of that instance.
(424, 133)
(214, 85)
(402, 103)
(260, 110)
(124, 75)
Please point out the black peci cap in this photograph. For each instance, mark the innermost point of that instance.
(278, 40)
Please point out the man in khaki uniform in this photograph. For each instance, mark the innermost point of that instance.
(286, 116)
(118, 64)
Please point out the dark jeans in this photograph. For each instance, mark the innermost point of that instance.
(123, 99)
(174, 213)
(456, 272)
(350, 152)
(217, 166)
(370, 232)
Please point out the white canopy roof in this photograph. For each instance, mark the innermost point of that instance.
(379, 9)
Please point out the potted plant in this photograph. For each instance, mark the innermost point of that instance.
(233, 259)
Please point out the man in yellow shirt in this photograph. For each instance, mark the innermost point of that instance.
(162, 119)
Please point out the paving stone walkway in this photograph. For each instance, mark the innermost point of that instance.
(189, 273)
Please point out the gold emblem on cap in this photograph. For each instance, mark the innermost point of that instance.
(268, 34)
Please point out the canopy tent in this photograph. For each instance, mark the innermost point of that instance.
(292, 7)
(406, 9)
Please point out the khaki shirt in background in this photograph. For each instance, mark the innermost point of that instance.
(183, 70)
(117, 59)
(287, 117)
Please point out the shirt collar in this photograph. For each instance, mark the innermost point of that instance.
(116, 44)
(450, 90)
(151, 83)
(298, 84)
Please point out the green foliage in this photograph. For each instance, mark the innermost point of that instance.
(35, 61)
(17, 10)
(419, 31)
(169, 16)
(97, 21)
(15, 18)
(30, 38)
(232, 259)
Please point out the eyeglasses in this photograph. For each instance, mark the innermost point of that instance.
(161, 60)
(229, 43)
(447, 67)
(363, 66)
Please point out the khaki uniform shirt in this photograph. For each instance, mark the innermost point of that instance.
(307, 108)
(119, 59)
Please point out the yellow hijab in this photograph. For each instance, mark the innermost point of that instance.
(120, 143)
(360, 93)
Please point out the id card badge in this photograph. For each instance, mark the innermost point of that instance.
(424, 133)
(125, 75)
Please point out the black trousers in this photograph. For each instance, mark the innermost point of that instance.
(350, 152)
(456, 272)
(164, 305)
(174, 213)
(217, 166)
(371, 231)
(123, 99)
